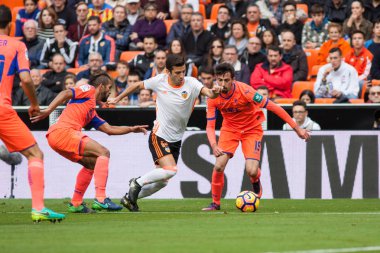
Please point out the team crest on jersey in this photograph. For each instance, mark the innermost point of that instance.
(258, 98)
(165, 146)
(85, 87)
(184, 94)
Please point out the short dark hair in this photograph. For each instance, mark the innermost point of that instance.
(356, 32)
(223, 68)
(34, 1)
(376, 21)
(291, 3)
(124, 63)
(134, 73)
(206, 70)
(335, 49)
(225, 7)
(5, 16)
(174, 60)
(317, 9)
(359, 1)
(94, 18)
(59, 24)
(150, 37)
(300, 103)
(150, 5)
(309, 93)
(100, 77)
(275, 48)
(262, 87)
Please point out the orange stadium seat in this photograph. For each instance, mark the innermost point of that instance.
(303, 7)
(285, 100)
(75, 70)
(375, 82)
(42, 4)
(314, 72)
(214, 11)
(169, 23)
(357, 101)
(298, 87)
(324, 100)
(112, 73)
(202, 10)
(312, 57)
(129, 55)
(14, 3)
(207, 23)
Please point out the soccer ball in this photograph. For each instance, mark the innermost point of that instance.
(247, 201)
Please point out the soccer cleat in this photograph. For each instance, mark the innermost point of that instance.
(134, 190)
(107, 204)
(127, 204)
(82, 208)
(257, 188)
(46, 215)
(212, 207)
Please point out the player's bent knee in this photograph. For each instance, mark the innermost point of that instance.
(171, 171)
(219, 168)
(105, 152)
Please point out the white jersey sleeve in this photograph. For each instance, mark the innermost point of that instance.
(154, 82)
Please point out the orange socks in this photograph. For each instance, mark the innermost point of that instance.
(83, 180)
(255, 179)
(101, 175)
(217, 185)
(36, 182)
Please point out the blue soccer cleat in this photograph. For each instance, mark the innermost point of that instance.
(107, 205)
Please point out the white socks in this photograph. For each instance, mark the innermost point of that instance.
(155, 175)
(149, 189)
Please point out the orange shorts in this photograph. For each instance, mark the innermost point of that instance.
(13, 131)
(251, 143)
(68, 142)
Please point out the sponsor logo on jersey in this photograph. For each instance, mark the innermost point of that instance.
(257, 98)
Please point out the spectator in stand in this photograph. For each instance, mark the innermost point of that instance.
(47, 19)
(214, 55)
(177, 47)
(95, 63)
(55, 79)
(70, 81)
(300, 116)
(146, 98)
(118, 29)
(100, 9)
(357, 21)
(263, 90)
(307, 96)
(275, 74)
(294, 56)
(230, 55)
(79, 29)
(182, 27)
(133, 77)
(238, 8)
(30, 11)
(315, 33)
(206, 77)
(291, 22)
(239, 36)
(376, 123)
(162, 8)
(33, 43)
(159, 66)
(44, 95)
(372, 10)
(274, 9)
(268, 38)
(255, 24)
(122, 69)
(374, 95)
(61, 45)
(175, 7)
(134, 11)
(335, 41)
(65, 15)
(96, 41)
(198, 41)
(337, 79)
(253, 55)
(222, 27)
(113, 3)
(374, 47)
(336, 11)
(142, 62)
(149, 26)
(359, 57)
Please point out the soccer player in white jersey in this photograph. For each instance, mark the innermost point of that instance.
(176, 96)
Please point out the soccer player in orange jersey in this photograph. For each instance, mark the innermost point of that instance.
(66, 138)
(13, 132)
(240, 106)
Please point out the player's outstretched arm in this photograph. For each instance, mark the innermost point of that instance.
(131, 88)
(279, 111)
(28, 87)
(211, 93)
(120, 130)
(58, 100)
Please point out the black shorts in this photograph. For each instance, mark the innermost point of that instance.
(159, 147)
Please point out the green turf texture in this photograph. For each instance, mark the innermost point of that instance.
(179, 226)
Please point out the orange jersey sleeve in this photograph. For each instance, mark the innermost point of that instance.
(211, 119)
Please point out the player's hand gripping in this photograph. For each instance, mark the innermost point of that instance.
(112, 101)
(216, 150)
(139, 129)
(40, 116)
(303, 133)
(216, 89)
(33, 110)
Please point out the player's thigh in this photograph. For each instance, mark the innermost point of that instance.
(228, 142)
(13, 132)
(251, 145)
(161, 152)
(93, 149)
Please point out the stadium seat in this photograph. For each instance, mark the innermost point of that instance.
(312, 57)
(112, 73)
(207, 23)
(13, 29)
(202, 10)
(15, 10)
(324, 100)
(285, 100)
(356, 101)
(75, 70)
(169, 23)
(43, 71)
(298, 87)
(129, 55)
(314, 72)
(303, 7)
(42, 4)
(14, 3)
(214, 11)
(375, 82)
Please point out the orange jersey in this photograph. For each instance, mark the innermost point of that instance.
(80, 110)
(240, 108)
(362, 62)
(13, 59)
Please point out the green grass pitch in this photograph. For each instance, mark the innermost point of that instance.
(179, 226)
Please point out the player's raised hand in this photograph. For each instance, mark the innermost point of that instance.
(40, 116)
(33, 110)
(217, 151)
(303, 133)
(139, 129)
(112, 101)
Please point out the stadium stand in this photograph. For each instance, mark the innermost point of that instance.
(299, 86)
(129, 55)
(214, 11)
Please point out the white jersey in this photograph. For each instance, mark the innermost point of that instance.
(174, 105)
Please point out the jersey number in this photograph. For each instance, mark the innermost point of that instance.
(2, 63)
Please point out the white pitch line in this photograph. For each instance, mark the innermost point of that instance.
(343, 250)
